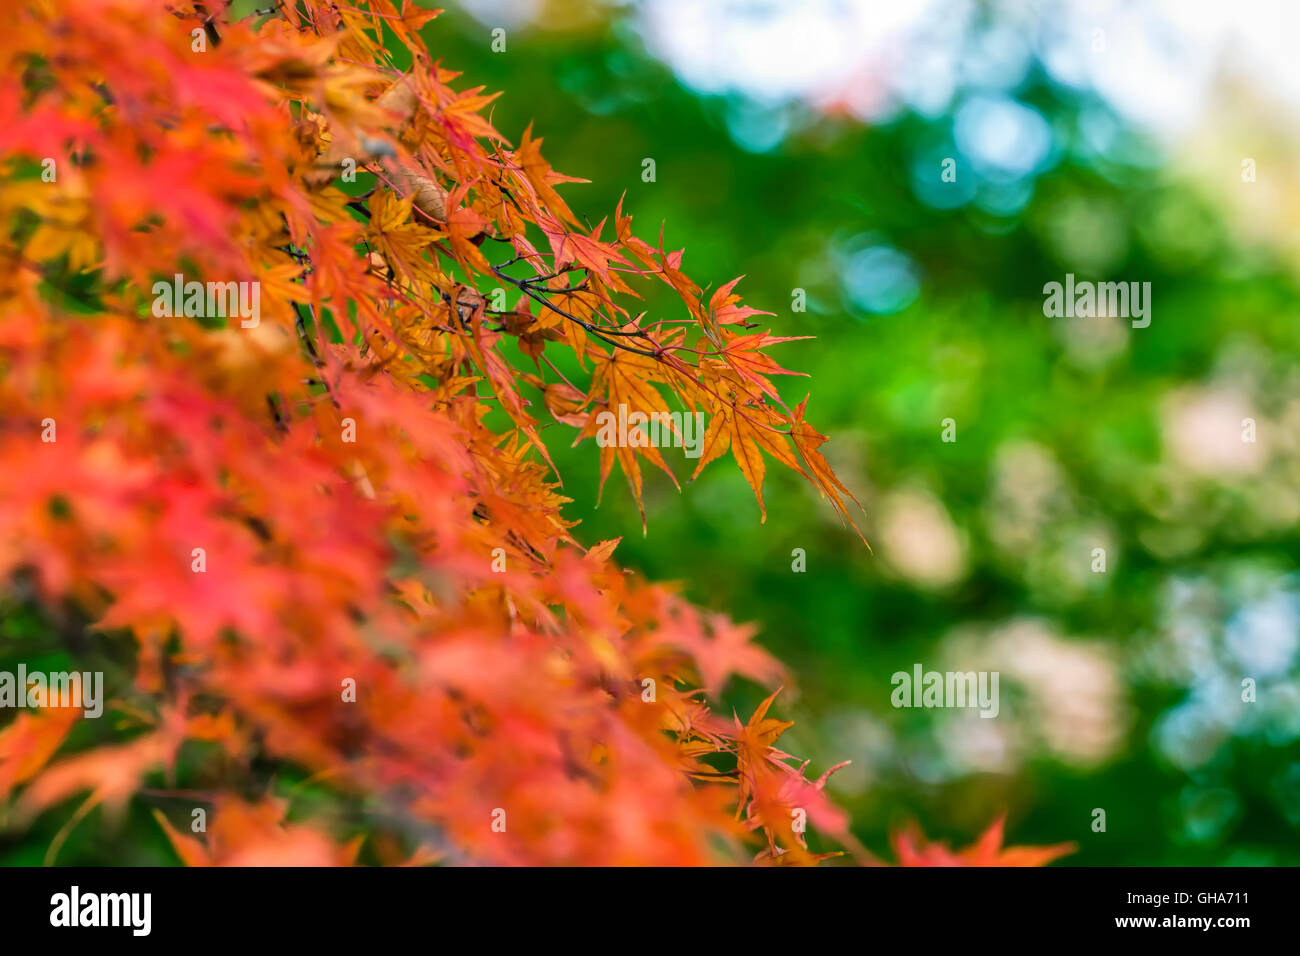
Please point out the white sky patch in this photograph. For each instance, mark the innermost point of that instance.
(773, 50)
(1155, 62)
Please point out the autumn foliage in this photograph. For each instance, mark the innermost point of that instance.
(364, 468)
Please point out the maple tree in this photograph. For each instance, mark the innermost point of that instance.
(361, 468)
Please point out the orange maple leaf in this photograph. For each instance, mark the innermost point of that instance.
(912, 849)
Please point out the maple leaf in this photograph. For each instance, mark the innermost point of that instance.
(743, 431)
(725, 308)
(542, 177)
(912, 849)
(256, 834)
(27, 744)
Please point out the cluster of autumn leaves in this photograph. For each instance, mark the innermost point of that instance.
(518, 698)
